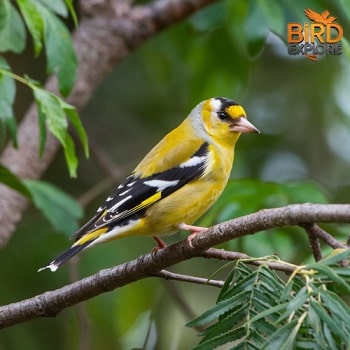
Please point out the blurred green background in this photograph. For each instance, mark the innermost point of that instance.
(302, 155)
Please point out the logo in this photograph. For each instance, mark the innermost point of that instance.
(317, 38)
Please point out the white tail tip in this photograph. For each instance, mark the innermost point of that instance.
(52, 267)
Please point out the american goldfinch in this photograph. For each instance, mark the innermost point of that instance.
(176, 182)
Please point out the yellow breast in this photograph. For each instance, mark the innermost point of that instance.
(190, 202)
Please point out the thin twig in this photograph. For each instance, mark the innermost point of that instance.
(325, 236)
(227, 255)
(186, 278)
(314, 240)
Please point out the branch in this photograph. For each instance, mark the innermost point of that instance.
(226, 255)
(101, 41)
(167, 275)
(316, 231)
(314, 240)
(52, 302)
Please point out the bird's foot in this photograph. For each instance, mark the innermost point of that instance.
(194, 231)
(160, 245)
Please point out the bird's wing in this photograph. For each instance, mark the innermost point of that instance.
(313, 15)
(136, 194)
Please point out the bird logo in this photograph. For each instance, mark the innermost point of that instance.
(323, 17)
(322, 36)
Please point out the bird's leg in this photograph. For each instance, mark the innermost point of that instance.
(194, 231)
(160, 243)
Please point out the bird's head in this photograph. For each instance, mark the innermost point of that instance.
(222, 119)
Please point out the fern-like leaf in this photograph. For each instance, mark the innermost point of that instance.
(256, 309)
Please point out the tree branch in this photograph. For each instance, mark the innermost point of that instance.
(317, 231)
(187, 278)
(314, 240)
(52, 302)
(101, 41)
(232, 256)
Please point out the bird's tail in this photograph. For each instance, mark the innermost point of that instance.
(65, 256)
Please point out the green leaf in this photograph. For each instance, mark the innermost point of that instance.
(237, 12)
(70, 155)
(61, 58)
(332, 343)
(339, 309)
(49, 107)
(76, 122)
(7, 93)
(70, 6)
(13, 34)
(12, 181)
(11, 126)
(333, 276)
(273, 14)
(255, 30)
(42, 131)
(57, 6)
(333, 258)
(297, 302)
(316, 325)
(225, 338)
(4, 13)
(208, 316)
(209, 18)
(247, 312)
(60, 209)
(330, 322)
(345, 8)
(284, 338)
(34, 22)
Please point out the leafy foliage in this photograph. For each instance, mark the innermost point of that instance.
(13, 181)
(256, 309)
(47, 30)
(12, 34)
(56, 114)
(60, 209)
(7, 93)
(44, 25)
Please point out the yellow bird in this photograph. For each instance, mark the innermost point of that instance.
(174, 185)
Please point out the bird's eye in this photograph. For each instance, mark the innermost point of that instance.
(222, 116)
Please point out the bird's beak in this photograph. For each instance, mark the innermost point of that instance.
(242, 125)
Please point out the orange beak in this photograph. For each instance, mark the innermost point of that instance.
(242, 125)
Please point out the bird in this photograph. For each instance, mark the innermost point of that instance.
(174, 184)
(323, 17)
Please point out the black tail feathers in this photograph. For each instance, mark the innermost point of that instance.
(65, 256)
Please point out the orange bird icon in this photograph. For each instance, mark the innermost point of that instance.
(323, 17)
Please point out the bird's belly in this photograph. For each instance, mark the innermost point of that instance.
(183, 206)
